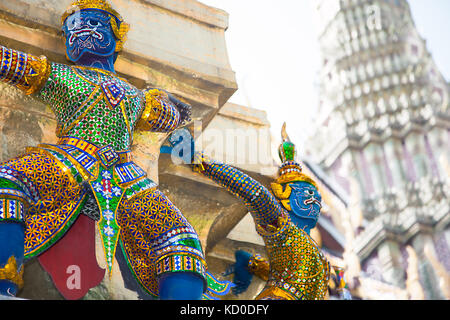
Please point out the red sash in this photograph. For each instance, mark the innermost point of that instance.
(72, 263)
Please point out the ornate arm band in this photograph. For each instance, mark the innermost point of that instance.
(25, 71)
(159, 114)
(182, 262)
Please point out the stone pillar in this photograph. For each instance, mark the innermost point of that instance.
(416, 146)
(439, 141)
(413, 285)
(432, 160)
(387, 168)
(357, 172)
(427, 273)
(377, 170)
(366, 174)
(410, 169)
(393, 149)
(390, 257)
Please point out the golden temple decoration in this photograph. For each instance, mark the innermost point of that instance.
(259, 267)
(36, 80)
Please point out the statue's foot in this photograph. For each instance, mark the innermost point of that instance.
(8, 288)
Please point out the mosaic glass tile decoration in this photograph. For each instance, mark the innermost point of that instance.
(156, 238)
(45, 189)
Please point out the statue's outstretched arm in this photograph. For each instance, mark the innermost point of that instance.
(263, 206)
(24, 71)
(28, 73)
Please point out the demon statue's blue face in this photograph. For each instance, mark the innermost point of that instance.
(90, 40)
(305, 201)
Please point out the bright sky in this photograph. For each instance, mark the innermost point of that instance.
(273, 49)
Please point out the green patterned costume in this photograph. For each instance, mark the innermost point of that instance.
(296, 269)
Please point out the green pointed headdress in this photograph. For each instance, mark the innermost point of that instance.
(290, 170)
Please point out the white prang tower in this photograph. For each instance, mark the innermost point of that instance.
(384, 122)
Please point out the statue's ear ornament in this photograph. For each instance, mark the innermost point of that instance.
(278, 191)
(282, 195)
(120, 32)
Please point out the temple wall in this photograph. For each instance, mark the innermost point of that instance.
(394, 108)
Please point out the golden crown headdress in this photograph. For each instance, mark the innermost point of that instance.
(118, 25)
(289, 171)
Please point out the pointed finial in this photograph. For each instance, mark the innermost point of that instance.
(286, 150)
(284, 134)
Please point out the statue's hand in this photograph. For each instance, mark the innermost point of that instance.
(184, 109)
(242, 276)
(183, 147)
